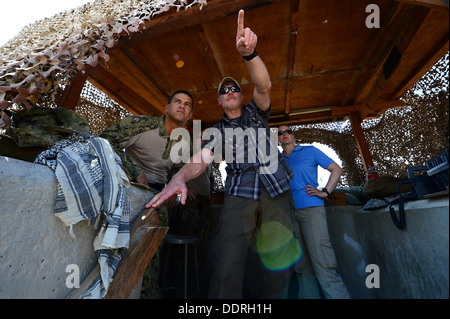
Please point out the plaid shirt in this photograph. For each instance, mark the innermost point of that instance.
(244, 176)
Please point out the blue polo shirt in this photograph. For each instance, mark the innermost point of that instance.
(303, 162)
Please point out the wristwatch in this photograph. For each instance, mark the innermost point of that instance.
(326, 191)
(251, 56)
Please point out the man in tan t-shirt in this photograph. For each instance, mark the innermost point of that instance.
(143, 142)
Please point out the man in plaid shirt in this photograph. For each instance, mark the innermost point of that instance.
(258, 208)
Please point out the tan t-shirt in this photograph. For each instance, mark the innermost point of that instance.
(149, 158)
(202, 183)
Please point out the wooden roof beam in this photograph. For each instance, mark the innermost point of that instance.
(300, 117)
(295, 5)
(361, 142)
(406, 25)
(285, 120)
(177, 20)
(435, 52)
(345, 110)
(335, 113)
(71, 94)
(377, 54)
(422, 68)
(147, 69)
(120, 92)
(210, 52)
(434, 4)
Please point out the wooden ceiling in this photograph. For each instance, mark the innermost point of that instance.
(324, 62)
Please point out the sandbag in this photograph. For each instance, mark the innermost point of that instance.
(384, 186)
(33, 131)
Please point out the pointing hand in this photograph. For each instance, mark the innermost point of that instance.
(246, 39)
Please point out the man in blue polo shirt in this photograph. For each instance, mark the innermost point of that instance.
(310, 212)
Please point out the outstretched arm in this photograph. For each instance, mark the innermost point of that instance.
(177, 184)
(246, 41)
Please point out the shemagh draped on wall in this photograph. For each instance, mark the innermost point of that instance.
(91, 186)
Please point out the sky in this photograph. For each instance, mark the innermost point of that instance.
(17, 14)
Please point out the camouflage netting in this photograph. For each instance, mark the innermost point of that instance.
(402, 137)
(47, 53)
(99, 109)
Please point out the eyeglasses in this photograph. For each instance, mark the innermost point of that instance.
(282, 132)
(227, 89)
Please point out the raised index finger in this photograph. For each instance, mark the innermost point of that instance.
(240, 24)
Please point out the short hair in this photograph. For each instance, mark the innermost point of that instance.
(184, 92)
(288, 126)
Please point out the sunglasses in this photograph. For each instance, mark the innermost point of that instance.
(282, 132)
(227, 89)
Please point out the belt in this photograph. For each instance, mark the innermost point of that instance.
(157, 186)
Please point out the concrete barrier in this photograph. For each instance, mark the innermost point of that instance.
(413, 263)
(35, 246)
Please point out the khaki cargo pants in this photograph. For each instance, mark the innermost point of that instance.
(312, 222)
(264, 225)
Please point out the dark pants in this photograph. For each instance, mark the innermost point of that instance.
(266, 226)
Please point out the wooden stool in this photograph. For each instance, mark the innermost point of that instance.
(186, 240)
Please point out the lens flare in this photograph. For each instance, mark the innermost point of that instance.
(277, 246)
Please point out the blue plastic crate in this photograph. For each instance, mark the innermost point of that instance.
(438, 170)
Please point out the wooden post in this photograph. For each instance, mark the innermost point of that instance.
(146, 236)
(143, 246)
(72, 92)
(363, 148)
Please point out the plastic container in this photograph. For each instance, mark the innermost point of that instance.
(438, 170)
